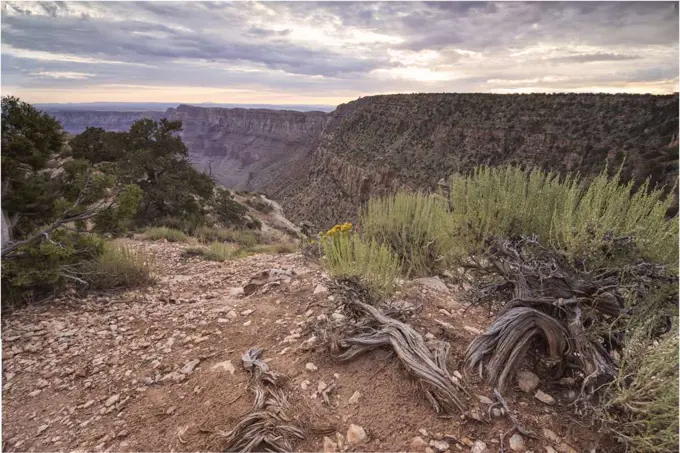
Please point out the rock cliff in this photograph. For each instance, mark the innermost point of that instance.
(376, 144)
(248, 148)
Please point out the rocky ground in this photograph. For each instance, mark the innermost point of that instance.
(159, 369)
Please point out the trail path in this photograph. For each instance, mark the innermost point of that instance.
(159, 369)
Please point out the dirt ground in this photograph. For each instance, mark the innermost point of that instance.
(159, 369)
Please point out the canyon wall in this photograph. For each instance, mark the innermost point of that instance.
(376, 144)
(247, 149)
(323, 166)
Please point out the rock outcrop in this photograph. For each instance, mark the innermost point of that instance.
(247, 148)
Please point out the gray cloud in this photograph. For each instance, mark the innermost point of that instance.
(339, 49)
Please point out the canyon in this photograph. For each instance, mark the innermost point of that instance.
(323, 166)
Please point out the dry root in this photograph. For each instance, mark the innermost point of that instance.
(267, 426)
(367, 328)
(574, 313)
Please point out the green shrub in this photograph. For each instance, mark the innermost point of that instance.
(641, 407)
(347, 255)
(219, 251)
(566, 213)
(46, 266)
(280, 248)
(119, 266)
(169, 234)
(416, 227)
(243, 237)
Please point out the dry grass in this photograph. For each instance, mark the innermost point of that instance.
(169, 234)
(119, 267)
(245, 238)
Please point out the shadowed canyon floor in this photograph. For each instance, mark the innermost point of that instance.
(159, 369)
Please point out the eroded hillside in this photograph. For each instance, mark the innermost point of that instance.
(379, 143)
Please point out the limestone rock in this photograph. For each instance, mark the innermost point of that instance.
(433, 283)
(517, 443)
(354, 399)
(355, 434)
(551, 435)
(311, 367)
(479, 447)
(320, 289)
(418, 444)
(112, 400)
(527, 381)
(329, 446)
(544, 398)
(224, 366)
(188, 368)
(439, 445)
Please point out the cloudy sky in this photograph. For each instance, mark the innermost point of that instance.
(331, 52)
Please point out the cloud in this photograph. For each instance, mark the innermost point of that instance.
(333, 50)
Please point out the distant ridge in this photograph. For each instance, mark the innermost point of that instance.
(163, 106)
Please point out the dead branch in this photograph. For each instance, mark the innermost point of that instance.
(267, 426)
(513, 418)
(552, 301)
(367, 328)
(64, 218)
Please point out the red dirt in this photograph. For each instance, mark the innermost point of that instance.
(90, 348)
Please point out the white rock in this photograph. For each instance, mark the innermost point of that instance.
(439, 445)
(418, 444)
(224, 366)
(234, 292)
(496, 412)
(354, 399)
(248, 322)
(112, 400)
(173, 376)
(321, 386)
(527, 381)
(479, 447)
(355, 434)
(429, 336)
(42, 383)
(88, 404)
(246, 312)
(329, 446)
(551, 435)
(41, 429)
(517, 443)
(544, 398)
(311, 367)
(423, 432)
(320, 289)
(433, 283)
(232, 314)
(188, 368)
(473, 330)
(484, 400)
(304, 384)
(35, 393)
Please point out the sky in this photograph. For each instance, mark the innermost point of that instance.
(331, 52)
